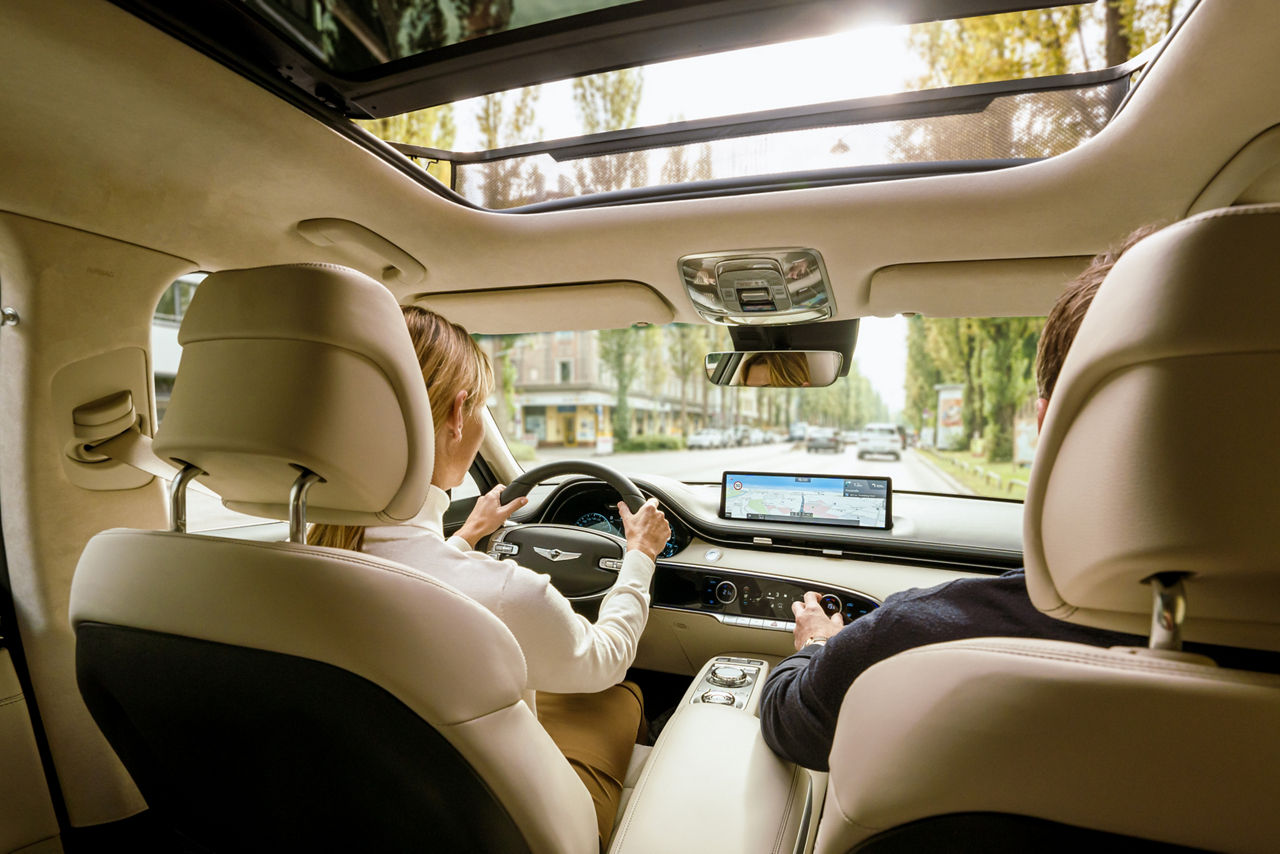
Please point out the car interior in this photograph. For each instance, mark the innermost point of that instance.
(180, 671)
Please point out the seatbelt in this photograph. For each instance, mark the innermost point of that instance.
(134, 449)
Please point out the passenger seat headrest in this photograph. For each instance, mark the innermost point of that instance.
(304, 365)
(1159, 452)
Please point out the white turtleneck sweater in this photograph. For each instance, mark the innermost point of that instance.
(564, 652)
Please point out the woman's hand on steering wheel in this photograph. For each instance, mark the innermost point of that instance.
(647, 529)
(488, 515)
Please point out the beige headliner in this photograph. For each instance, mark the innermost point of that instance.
(113, 127)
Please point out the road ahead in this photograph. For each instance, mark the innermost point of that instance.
(706, 465)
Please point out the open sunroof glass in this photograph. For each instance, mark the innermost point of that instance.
(994, 124)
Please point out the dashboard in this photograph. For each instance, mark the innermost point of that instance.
(746, 573)
(970, 534)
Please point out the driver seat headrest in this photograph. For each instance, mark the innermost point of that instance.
(1158, 451)
(301, 366)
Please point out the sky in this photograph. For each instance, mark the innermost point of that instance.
(881, 356)
(858, 63)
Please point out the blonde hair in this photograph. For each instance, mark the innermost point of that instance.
(786, 369)
(451, 362)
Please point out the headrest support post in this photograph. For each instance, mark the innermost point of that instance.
(298, 505)
(1169, 607)
(178, 497)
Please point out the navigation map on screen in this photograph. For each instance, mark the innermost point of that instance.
(860, 502)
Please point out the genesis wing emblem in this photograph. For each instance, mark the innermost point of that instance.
(556, 554)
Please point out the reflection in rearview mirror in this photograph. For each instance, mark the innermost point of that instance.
(774, 368)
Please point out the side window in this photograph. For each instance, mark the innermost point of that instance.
(165, 350)
(467, 489)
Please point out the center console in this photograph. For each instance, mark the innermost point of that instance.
(711, 783)
(728, 681)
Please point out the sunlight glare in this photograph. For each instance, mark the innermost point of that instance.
(852, 64)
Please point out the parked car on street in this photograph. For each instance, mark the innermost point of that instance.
(707, 437)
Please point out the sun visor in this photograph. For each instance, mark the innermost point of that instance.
(589, 305)
(1015, 287)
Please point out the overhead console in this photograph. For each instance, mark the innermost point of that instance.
(759, 286)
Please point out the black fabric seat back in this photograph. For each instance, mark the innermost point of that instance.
(248, 750)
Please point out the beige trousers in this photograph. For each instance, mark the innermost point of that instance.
(596, 733)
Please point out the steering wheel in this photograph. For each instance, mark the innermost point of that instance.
(583, 563)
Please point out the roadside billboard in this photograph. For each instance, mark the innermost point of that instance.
(950, 433)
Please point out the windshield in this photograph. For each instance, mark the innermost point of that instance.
(943, 405)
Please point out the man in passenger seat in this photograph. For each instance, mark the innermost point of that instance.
(801, 699)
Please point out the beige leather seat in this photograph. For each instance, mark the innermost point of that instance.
(278, 696)
(1158, 456)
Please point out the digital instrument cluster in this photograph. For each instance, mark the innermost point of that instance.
(596, 508)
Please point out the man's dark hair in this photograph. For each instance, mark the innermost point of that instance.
(1063, 322)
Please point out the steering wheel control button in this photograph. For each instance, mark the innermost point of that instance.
(613, 564)
(727, 676)
(506, 548)
(831, 604)
(719, 698)
(726, 592)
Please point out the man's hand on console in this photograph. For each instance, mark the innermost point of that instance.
(812, 623)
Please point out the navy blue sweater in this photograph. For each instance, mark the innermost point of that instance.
(802, 696)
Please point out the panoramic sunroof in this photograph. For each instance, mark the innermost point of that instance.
(530, 104)
(948, 96)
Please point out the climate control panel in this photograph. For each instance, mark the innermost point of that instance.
(749, 600)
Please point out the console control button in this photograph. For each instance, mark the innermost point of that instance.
(726, 592)
(720, 698)
(727, 676)
(831, 604)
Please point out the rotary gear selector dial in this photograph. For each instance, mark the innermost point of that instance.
(727, 676)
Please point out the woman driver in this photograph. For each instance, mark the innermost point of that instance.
(573, 665)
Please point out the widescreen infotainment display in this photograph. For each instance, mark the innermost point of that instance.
(853, 502)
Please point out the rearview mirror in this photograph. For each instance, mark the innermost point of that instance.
(774, 368)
